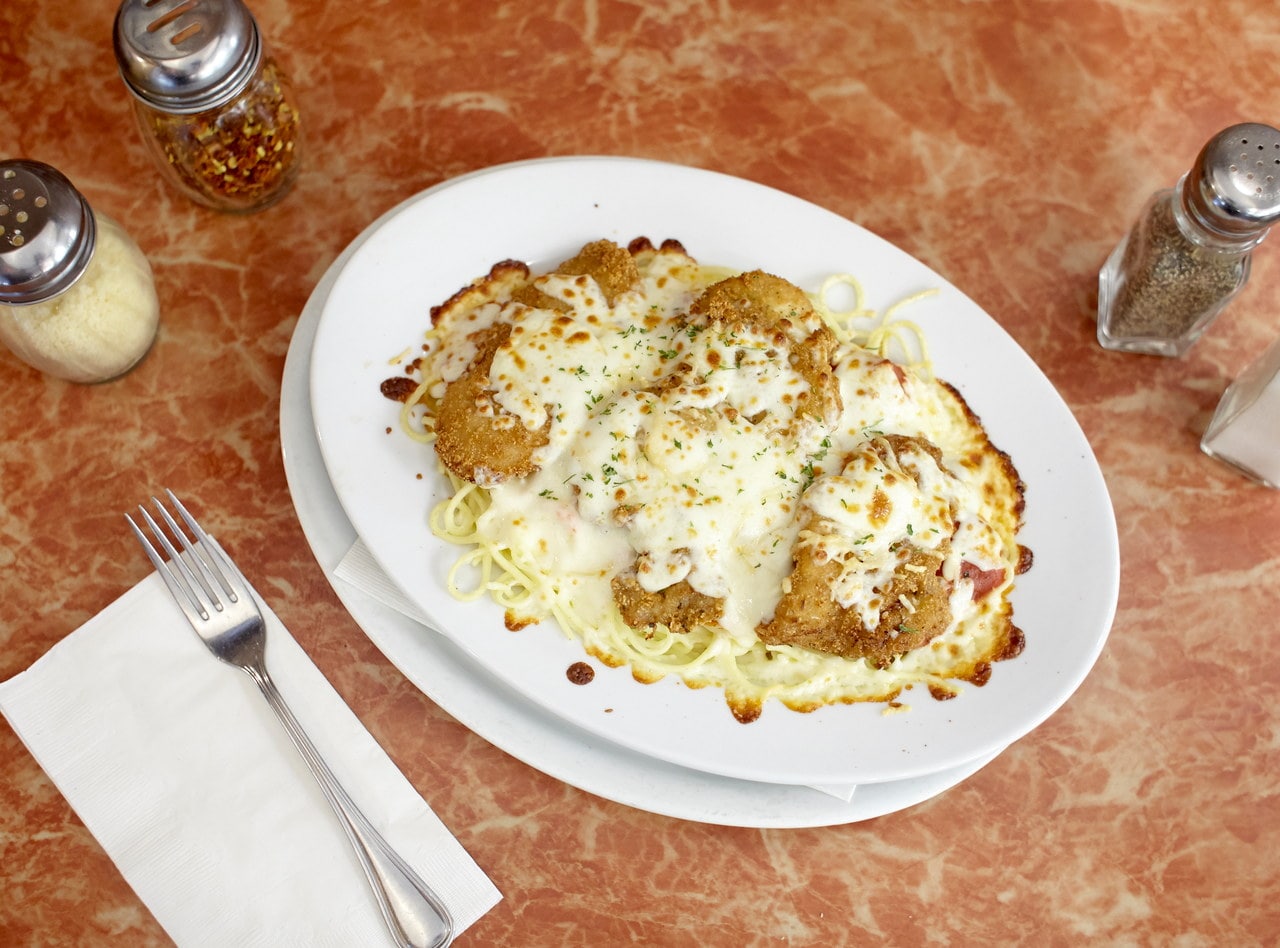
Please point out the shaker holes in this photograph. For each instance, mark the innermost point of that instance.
(165, 19)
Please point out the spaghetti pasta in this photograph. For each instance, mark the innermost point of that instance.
(901, 341)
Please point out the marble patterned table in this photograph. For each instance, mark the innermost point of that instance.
(1006, 145)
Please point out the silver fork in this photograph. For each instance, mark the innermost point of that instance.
(219, 603)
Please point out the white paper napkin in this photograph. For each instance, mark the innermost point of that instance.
(178, 767)
(359, 568)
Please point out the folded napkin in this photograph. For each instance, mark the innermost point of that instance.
(359, 568)
(178, 767)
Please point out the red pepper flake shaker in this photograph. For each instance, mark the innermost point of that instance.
(216, 109)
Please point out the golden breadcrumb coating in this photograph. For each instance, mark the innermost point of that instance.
(916, 601)
(476, 439)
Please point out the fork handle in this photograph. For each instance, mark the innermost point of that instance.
(414, 914)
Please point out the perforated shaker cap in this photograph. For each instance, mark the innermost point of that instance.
(47, 232)
(1233, 189)
(186, 56)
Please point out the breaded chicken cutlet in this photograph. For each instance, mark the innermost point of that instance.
(766, 303)
(916, 600)
(679, 607)
(476, 438)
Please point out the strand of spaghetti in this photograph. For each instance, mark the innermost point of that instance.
(656, 652)
(885, 328)
(712, 651)
(687, 652)
(842, 315)
(478, 558)
(422, 432)
(841, 320)
(739, 682)
(569, 622)
(514, 576)
(778, 669)
(454, 518)
(500, 577)
(660, 646)
(908, 300)
(899, 327)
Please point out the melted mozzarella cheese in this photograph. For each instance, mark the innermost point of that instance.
(452, 360)
(682, 440)
(868, 511)
(674, 449)
(679, 446)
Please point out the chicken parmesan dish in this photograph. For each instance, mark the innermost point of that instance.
(711, 474)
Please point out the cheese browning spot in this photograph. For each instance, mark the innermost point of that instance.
(580, 673)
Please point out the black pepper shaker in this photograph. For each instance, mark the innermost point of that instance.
(215, 108)
(1189, 252)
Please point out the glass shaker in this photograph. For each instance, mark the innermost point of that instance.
(1245, 429)
(1189, 252)
(77, 299)
(215, 108)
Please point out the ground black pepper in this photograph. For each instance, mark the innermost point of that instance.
(1189, 253)
(1166, 285)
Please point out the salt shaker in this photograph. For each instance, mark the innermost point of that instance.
(1245, 429)
(1189, 252)
(215, 108)
(77, 299)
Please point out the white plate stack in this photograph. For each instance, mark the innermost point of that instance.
(664, 747)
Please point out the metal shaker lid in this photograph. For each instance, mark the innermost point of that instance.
(47, 232)
(186, 56)
(1233, 189)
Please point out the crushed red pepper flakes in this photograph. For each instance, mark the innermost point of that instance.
(239, 155)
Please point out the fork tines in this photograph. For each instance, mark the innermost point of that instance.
(192, 571)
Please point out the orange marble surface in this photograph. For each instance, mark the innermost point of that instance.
(1005, 144)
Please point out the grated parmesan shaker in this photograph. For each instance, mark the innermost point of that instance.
(216, 110)
(1189, 252)
(77, 299)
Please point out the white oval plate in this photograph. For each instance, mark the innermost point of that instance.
(506, 719)
(544, 211)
